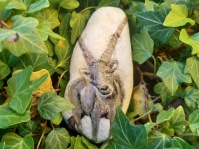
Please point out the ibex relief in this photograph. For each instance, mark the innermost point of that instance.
(101, 74)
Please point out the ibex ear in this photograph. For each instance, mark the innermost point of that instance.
(85, 72)
(114, 65)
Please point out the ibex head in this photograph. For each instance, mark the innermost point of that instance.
(100, 72)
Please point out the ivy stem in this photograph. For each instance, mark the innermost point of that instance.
(148, 112)
(91, 7)
(43, 132)
(52, 125)
(61, 78)
(4, 24)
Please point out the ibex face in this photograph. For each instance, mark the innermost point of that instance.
(100, 75)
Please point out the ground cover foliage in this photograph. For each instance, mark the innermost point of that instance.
(36, 42)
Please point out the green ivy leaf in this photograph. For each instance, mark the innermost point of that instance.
(28, 39)
(13, 141)
(17, 4)
(28, 128)
(20, 89)
(154, 22)
(57, 138)
(104, 3)
(125, 135)
(194, 122)
(174, 41)
(50, 104)
(142, 46)
(63, 52)
(180, 143)
(50, 15)
(165, 95)
(164, 116)
(192, 68)
(78, 143)
(5, 33)
(58, 119)
(158, 140)
(149, 126)
(193, 40)
(39, 5)
(9, 117)
(78, 22)
(8, 58)
(69, 4)
(192, 97)
(37, 61)
(44, 31)
(177, 121)
(4, 3)
(5, 70)
(178, 16)
(172, 75)
(88, 143)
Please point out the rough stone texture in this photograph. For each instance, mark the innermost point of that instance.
(101, 74)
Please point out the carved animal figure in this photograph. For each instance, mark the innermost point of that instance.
(97, 94)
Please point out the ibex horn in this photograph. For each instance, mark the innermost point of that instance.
(106, 56)
(86, 53)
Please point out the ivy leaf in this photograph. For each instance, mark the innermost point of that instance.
(172, 75)
(37, 61)
(177, 121)
(28, 128)
(192, 97)
(9, 117)
(193, 40)
(57, 138)
(104, 3)
(4, 3)
(165, 95)
(44, 31)
(63, 52)
(20, 89)
(154, 22)
(13, 141)
(27, 39)
(50, 104)
(88, 143)
(194, 122)
(16, 4)
(180, 143)
(158, 140)
(164, 116)
(8, 58)
(142, 46)
(125, 135)
(192, 68)
(174, 41)
(39, 5)
(5, 70)
(50, 15)
(5, 33)
(69, 4)
(78, 22)
(178, 16)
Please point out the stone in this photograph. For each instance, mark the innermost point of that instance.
(101, 74)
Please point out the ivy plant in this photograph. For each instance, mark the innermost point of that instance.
(37, 38)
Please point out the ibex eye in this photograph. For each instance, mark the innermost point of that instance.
(92, 77)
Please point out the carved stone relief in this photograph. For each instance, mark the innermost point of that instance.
(98, 84)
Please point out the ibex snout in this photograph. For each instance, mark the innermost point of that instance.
(105, 90)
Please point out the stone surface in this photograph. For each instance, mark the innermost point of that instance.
(101, 74)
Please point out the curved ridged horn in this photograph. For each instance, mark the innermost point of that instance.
(86, 53)
(106, 56)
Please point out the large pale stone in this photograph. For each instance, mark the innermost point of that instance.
(98, 84)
